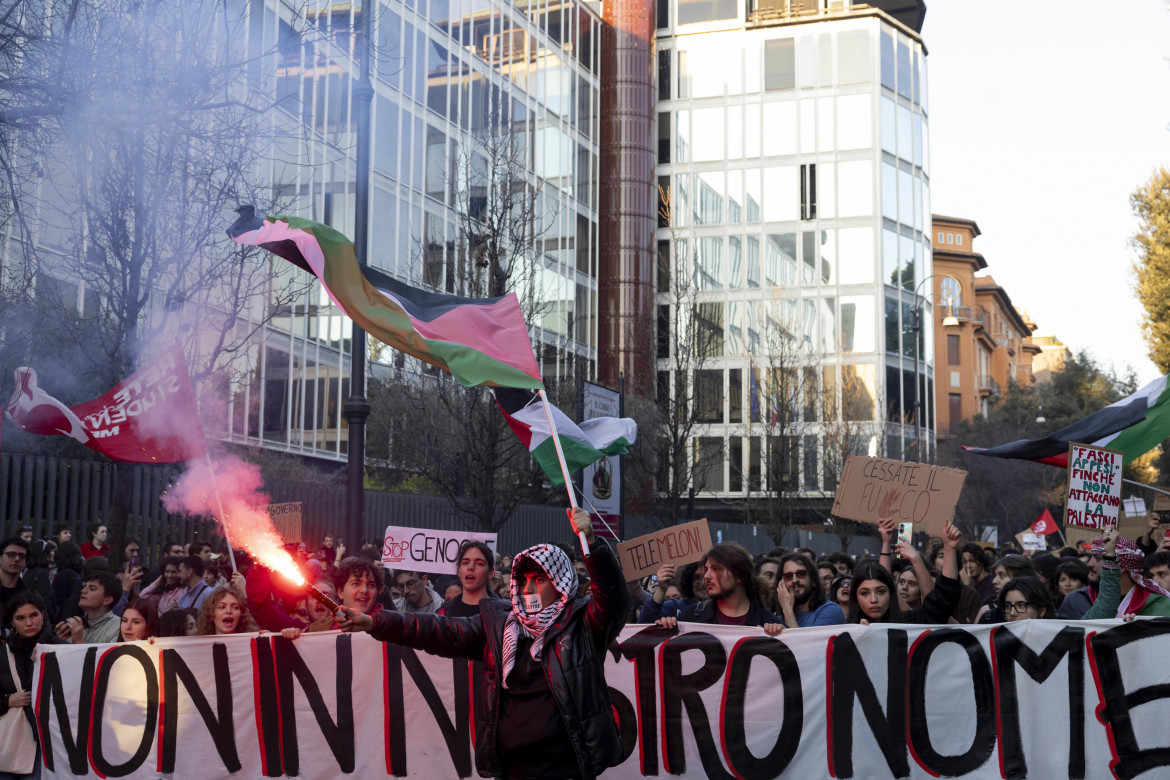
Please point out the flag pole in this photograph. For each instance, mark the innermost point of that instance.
(222, 516)
(600, 516)
(552, 426)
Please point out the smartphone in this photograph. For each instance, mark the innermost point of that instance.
(905, 532)
(134, 560)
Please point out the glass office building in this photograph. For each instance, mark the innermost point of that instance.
(794, 167)
(466, 92)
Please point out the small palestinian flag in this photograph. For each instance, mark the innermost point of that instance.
(1135, 425)
(582, 444)
(480, 341)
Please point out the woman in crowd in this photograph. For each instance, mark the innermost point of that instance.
(1006, 569)
(24, 617)
(139, 621)
(1025, 598)
(840, 589)
(873, 597)
(96, 546)
(178, 622)
(225, 612)
(909, 591)
(690, 583)
(1071, 575)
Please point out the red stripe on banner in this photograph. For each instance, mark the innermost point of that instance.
(386, 710)
(998, 719)
(829, 706)
(259, 709)
(662, 711)
(723, 709)
(470, 700)
(486, 328)
(37, 710)
(909, 732)
(97, 675)
(1099, 710)
(162, 708)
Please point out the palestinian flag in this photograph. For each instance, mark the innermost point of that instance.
(480, 341)
(582, 444)
(1134, 425)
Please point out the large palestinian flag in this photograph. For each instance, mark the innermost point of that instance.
(582, 444)
(480, 341)
(1135, 425)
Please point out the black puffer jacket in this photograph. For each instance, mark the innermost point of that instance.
(573, 659)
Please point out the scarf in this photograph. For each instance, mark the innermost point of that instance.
(1131, 560)
(553, 561)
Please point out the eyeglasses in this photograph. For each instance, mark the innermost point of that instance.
(789, 576)
(409, 584)
(1018, 607)
(15, 556)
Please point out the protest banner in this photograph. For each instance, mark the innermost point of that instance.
(602, 480)
(679, 544)
(1093, 501)
(427, 550)
(1030, 541)
(1037, 698)
(286, 517)
(917, 493)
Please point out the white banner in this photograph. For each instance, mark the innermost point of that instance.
(428, 550)
(1036, 699)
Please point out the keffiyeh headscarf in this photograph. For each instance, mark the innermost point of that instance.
(1132, 561)
(560, 571)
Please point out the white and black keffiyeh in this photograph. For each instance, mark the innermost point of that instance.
(560, 570)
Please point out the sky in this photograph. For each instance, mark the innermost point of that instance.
(1044, 118)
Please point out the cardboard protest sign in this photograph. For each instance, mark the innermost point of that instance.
(1093, 501)
(1134, 519)
(286, 517)
(1161, 502)
(707, 701)
(911, 492)
(679, 544)
(1030, 541)
(428, 550)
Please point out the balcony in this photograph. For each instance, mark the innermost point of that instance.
(988, 387)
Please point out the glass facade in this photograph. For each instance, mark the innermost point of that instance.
(795, 162)
(484, 127)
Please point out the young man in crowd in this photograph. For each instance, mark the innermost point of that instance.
(544, 710)
(173, 549)
(476, 562)
(733, 593)
(1158, 568)
(843, 562)
(98, 597)
(802, 602)
(417, 593)
(195, 590)
(15, 576)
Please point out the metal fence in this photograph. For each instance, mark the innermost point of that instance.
(46, 492)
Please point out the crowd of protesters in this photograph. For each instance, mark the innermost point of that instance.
(57, 590)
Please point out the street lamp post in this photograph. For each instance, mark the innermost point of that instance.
(357, 408)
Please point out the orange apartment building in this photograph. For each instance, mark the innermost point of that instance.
(981, 341)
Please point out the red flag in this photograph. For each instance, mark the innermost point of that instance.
(148, 418)
(1044, 524)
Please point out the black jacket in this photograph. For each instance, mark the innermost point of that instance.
(706, 612)
(573, 660)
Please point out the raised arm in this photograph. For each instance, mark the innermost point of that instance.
(606, 612)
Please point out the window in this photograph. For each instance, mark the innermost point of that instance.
(663, 137)
(663, 332)
(808, 191)
(955, 407)
(663, 14)
(952, 350)
(950, 292)
(950, 238)
(664, 74)
(959, 239)
(942, 237)
(779, 64)
(693, 11)
(709, 395)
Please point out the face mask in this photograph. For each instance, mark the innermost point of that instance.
(532, 603)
